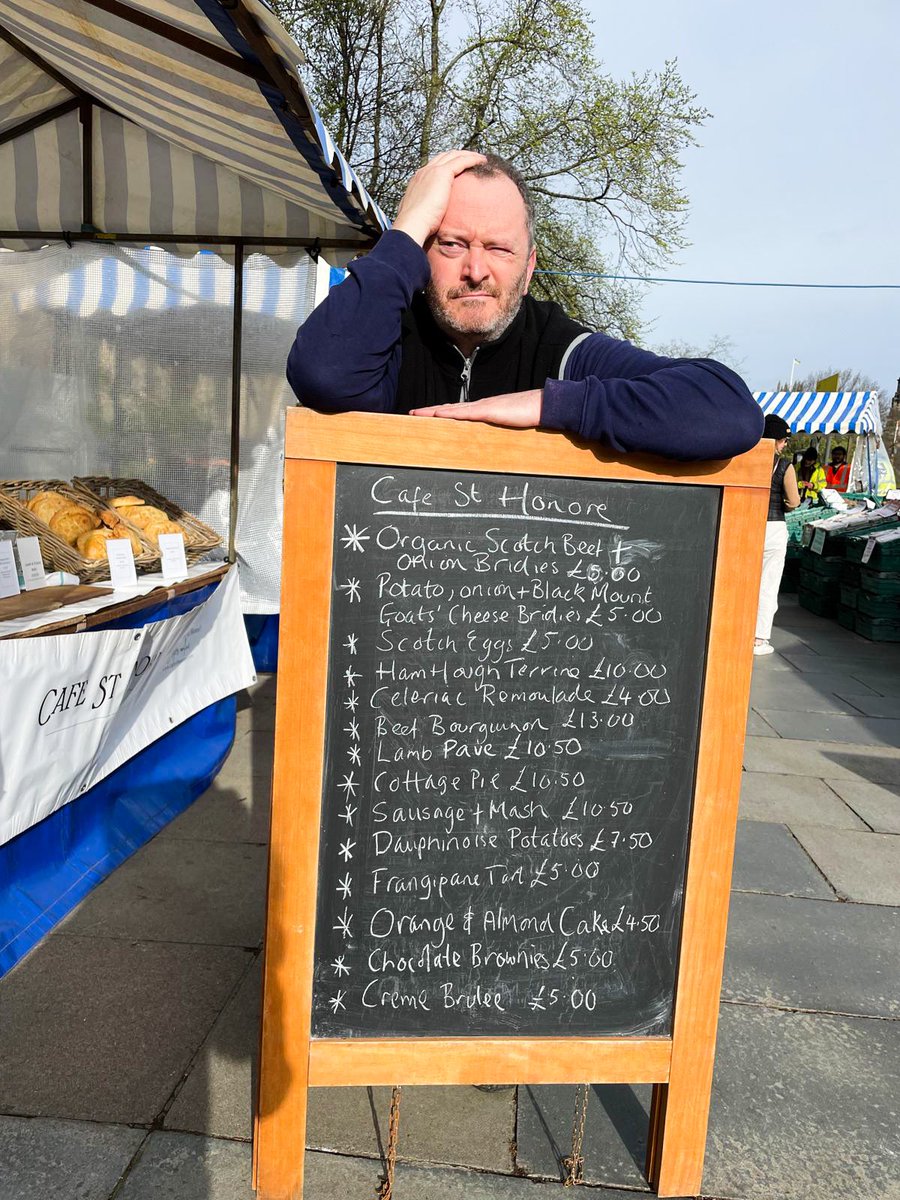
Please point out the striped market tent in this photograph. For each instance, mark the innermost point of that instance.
(166, 119)
(824, 412)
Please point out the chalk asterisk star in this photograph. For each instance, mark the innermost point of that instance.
(337, 1001)
(345, 886)
(351, 587)
(355, 537)
(352, 728)
(351, 702)
(351, 676)
(346, 851)
(343, 924)
(349, 785)
(339, 966)
(355, 757)
(347, 813)
(350, 644)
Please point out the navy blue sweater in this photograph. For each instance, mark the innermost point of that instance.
(346, 357)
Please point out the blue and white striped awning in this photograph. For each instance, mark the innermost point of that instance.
(200, 125)
(126, 283)
(824, 412)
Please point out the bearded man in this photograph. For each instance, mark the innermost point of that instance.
(436, 321)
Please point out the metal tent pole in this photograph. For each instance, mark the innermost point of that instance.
(237, 325)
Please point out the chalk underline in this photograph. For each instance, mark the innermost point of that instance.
(501, 517)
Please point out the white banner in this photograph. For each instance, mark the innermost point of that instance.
(73, 707)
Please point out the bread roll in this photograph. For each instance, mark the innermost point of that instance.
(124, 501)
(155, 528)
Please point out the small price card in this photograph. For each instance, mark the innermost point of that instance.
(9, 576)
(32, 563)
(869, 547)
(121, 562)
(174, 563)
(818, 541)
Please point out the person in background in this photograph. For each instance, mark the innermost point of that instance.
(783, 496)
(837, 475)
(810, 476)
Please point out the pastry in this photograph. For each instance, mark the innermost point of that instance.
(93, 543)
(142, 514)
(124, 501)
(69, 522)
(155, 528)
(45, 504)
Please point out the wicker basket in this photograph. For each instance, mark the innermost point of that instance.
(199, 539)
(57, 554)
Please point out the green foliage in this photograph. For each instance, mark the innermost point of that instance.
(397, 81)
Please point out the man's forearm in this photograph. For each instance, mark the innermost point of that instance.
(346, 356)
(633, 401)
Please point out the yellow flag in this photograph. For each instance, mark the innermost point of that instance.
(830, 384)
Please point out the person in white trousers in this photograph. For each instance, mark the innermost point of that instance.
(782, 498)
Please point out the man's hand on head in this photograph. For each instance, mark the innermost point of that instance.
(428, 193)
(515, 410)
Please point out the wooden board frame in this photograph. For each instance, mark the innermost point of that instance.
(680, 1067)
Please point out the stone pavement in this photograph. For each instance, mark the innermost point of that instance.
(127, 1037)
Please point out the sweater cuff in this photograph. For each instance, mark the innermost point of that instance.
(405, 255)
(562, 405)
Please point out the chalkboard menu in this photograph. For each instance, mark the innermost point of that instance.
(515, 675)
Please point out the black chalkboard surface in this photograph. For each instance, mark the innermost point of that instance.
(515, 675)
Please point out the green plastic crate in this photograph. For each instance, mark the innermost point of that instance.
(876, 629)
(879, 606)
(879, 583)
(817, 586)
(850, 573)
(815, 602)
(828, 567)
(848, 595)
(847, 617)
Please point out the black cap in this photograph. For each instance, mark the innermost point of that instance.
(776, 427)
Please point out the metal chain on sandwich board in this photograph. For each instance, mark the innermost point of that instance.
(574, 1164)
(386, 1187)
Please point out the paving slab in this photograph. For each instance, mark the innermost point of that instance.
(461, 1125)
(833, 727)
(811, 694)
(422, 1183)
(884, 681)
(804, 1107)
(217, 1096)
(757, 726)
(464, 1126)
(873, 706)
(788, 800)
(226, 814)
(821, 760)
(99, 1029)
(43, 1159)
(615, 1137)
(808, 954)
(877, 805)
(179, 891)
(768, 859)
(250, 759)
(182, 1166)
(860, 866)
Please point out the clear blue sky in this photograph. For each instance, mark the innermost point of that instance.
(796, 177)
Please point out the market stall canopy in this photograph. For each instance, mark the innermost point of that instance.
(179, 119)
(124, 283)
(824, 412)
